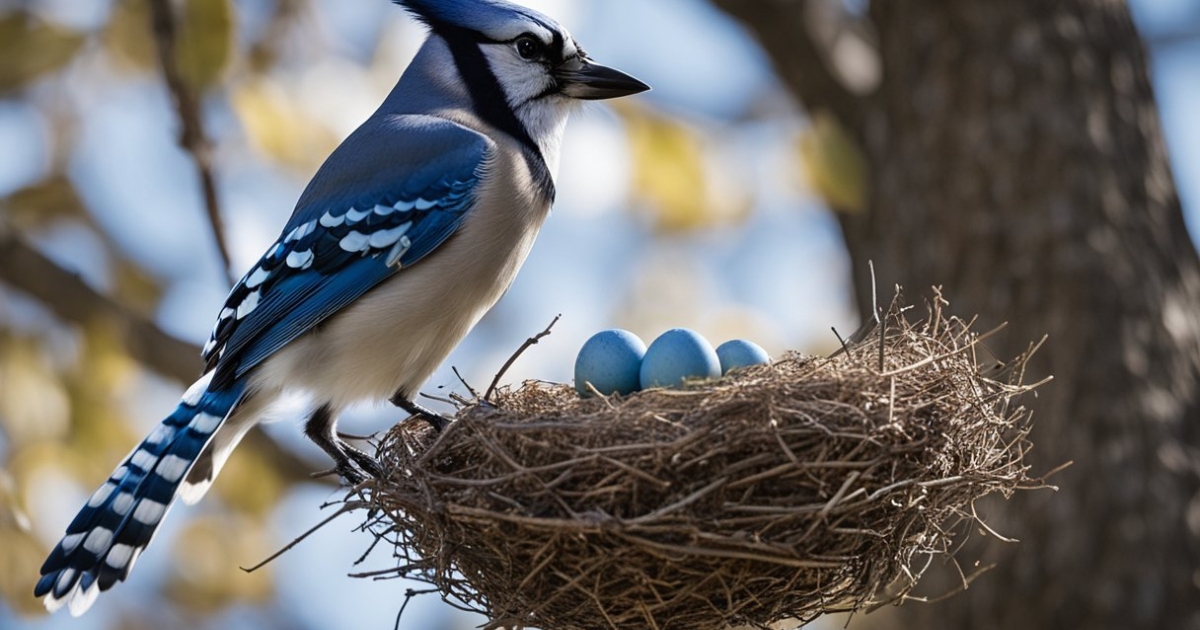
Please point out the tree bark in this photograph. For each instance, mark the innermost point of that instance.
(1017, 160)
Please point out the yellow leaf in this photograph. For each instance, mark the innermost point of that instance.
(250, 484)
(45, 203)
(203, 39)
(21, 553)
(208, 577)
(834, 164)
(205, 43)
(136, 287)
(30, 48)
(674, 177)
(128, 36)
(279, 129)
(33, 402)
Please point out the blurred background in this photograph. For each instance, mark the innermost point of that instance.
(723, 201)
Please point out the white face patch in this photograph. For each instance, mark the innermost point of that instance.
(525, 84)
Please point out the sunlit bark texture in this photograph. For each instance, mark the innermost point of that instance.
(1016, 158)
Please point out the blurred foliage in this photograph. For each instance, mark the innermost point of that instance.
(207, 576)
(19, 551)
(673, 176)
(278, 127)
(203, 47)
(44, 203)
(834, 164)
(20, 35)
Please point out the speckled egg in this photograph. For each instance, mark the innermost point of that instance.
(676, 355)
(610, 360)
(740, 353)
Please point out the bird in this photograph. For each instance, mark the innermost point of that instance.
(408, 233)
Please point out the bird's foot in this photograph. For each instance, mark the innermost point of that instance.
(367, 463)
(352, 465)
(435, 420)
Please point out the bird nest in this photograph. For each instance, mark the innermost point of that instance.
(779, 493)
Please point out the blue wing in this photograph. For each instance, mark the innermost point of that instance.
(393, 192)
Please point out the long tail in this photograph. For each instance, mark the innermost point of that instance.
(106, 537)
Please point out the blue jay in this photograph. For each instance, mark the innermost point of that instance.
(410, 231)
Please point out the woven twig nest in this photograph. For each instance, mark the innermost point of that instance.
(783, 492)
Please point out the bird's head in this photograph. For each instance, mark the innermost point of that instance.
(522, 69)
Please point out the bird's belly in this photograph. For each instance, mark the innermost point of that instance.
(394, 337)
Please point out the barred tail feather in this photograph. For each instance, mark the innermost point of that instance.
(104, 541)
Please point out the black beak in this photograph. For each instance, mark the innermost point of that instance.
(585, 80)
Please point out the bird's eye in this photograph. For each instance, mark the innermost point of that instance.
(529, 47)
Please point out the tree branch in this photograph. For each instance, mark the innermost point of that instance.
(191, 134)
(782, 29)
(26, 269)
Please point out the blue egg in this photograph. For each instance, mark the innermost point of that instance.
(676, 355)
(740, 353)
(610, 361)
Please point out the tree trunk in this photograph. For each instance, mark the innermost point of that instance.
(1017, 160)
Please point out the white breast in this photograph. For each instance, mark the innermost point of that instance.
(394, 337)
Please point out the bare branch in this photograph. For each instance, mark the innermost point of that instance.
(191, 134)
(28, 270)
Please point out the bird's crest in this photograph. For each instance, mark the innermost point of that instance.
(495, 19)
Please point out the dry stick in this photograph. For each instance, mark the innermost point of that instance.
(516, 355)
(191, 133)
(408, 596)
(348, 507)
(474, 394)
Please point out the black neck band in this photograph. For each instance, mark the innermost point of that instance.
(490, 101)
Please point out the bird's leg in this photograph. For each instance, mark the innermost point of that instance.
(320, 428)
(435, 420)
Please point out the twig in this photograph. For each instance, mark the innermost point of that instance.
(462, 380)
(408, 596)
(507, 364)
(191, 134)
(349, 506)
